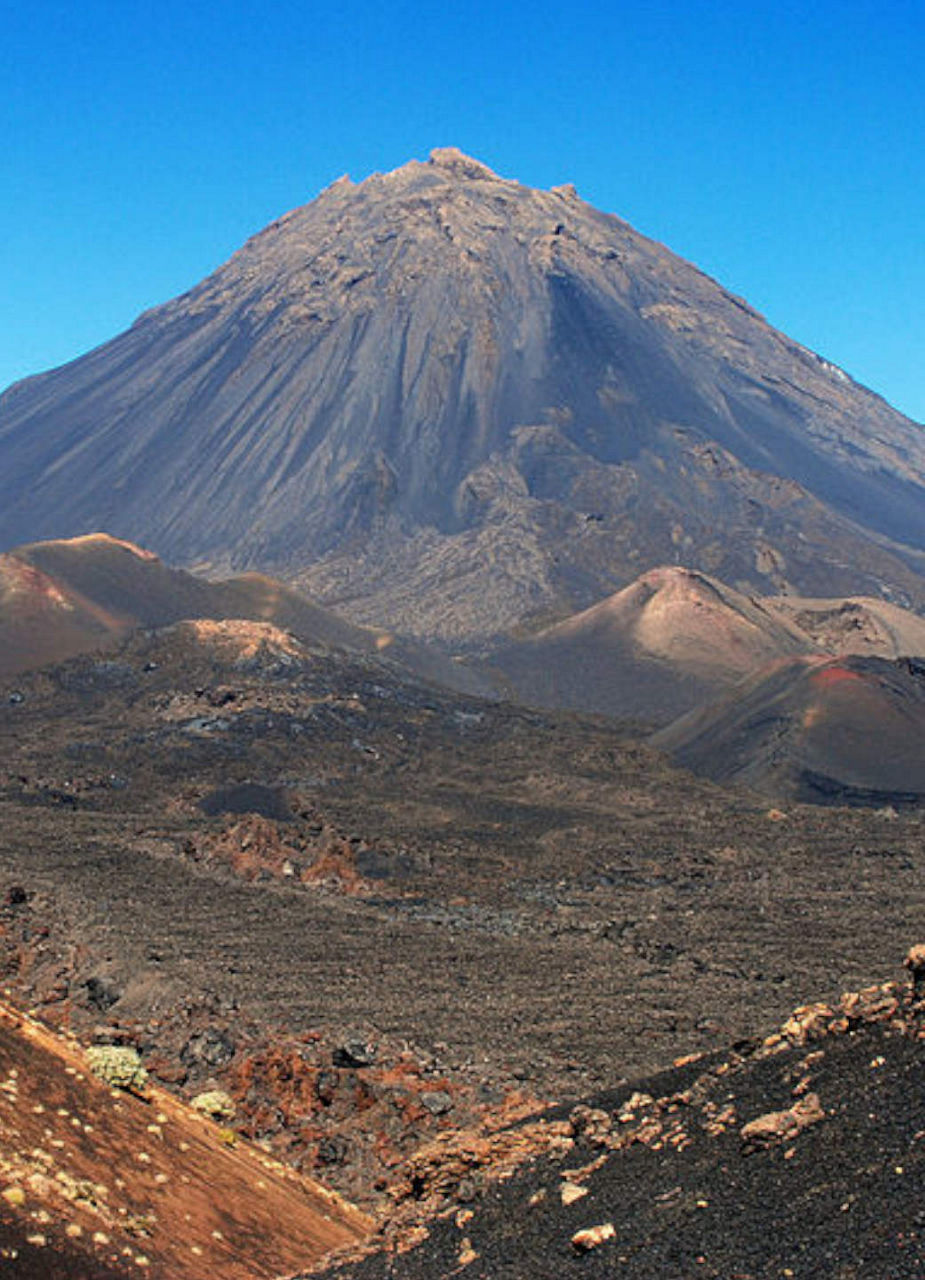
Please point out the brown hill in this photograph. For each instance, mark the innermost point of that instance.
(65, 597)
(675, 639)
(100, 1182)
(666, 643)
(838, 731)
(449, 402)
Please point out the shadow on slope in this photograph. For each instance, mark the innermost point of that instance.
(71, 596)
(827, 731)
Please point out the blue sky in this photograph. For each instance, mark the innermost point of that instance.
(777, 145)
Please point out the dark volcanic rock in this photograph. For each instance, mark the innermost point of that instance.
(354, 1052)
(801, 1156)
(248, 797)
(452, 402)
(209, 1048)
(101, 994)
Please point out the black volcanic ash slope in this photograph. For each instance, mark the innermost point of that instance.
(450, 402)
(801, 1156)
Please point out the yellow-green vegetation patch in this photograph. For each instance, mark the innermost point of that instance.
(118, 1065)
(215, 1103)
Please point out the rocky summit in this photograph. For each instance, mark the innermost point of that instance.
(451, 404)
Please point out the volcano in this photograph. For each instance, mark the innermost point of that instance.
(450, 404)
(836, 731)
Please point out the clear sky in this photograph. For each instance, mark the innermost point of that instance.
(780, 146)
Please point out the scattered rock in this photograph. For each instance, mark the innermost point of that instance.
(467, 1191)
(102, 994)
(111, 1035)
(781, 1126)
(807, 1021)
(592, 1124)
(354, 1052)
(591, 1237)
(326, 1083)
(466, 1252)
(208, 1048)
(332, 1150)
(437, 1102)
(915, 963)
(636, 1102)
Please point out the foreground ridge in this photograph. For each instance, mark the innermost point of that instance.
(792, 1153)
(103, 1181)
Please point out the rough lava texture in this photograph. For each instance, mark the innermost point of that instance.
(449, 402)
(872, 628)
(373, 911)
(797, 1154)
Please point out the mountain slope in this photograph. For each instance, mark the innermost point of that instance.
(799, 1154)
(65, 597)
(115, 1182)
(450, 402)
(675, 639)
(669, 641)
(846, 731)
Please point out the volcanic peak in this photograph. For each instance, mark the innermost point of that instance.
(459, 164)
(95, 542)
(459, 405)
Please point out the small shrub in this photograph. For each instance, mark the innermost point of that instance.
(215, 1103)
(118, 1065)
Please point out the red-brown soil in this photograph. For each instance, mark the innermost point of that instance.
(834, 731)
(140, 1185)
